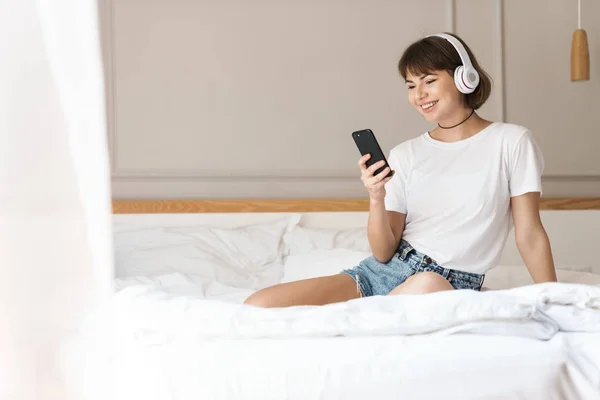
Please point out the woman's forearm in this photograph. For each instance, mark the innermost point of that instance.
(381, 237)
(537, 255)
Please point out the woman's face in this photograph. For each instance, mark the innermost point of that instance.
(434, 95)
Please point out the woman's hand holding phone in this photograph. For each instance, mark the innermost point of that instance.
(375, 184)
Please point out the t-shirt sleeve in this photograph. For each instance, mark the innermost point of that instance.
(395, 194)
(526, 167)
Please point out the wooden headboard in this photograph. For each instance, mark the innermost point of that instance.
(296, 205)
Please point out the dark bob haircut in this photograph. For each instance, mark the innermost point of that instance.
(436, 54)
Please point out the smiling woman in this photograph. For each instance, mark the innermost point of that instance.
(423, 61)
(441, 220)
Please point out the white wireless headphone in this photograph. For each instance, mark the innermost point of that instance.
(466, 77)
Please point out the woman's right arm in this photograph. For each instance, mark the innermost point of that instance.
(384, 231)
(384, 227)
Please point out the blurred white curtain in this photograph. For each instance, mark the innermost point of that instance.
(55, 213)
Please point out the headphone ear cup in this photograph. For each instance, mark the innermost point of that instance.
(461, 79)
(458, 80)
(471, 76)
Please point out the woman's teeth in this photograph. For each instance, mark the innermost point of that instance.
(429, 105)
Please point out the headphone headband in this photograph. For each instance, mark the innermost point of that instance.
(466, 77)
(460, 49)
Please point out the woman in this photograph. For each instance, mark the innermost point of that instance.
(442, 219)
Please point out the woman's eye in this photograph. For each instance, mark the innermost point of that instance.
(411, 87)
(430, 81)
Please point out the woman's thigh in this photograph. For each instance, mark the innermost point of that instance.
(314, 291)
(376, 279)
(422, 282)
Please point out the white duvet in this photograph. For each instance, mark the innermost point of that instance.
(154, 315)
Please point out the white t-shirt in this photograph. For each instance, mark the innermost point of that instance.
(456, 196)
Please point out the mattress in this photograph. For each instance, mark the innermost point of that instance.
(194, 261)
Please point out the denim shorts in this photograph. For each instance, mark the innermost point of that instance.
(374, 278)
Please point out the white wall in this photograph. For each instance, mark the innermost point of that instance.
(237, 99)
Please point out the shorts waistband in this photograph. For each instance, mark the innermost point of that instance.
(406, 250)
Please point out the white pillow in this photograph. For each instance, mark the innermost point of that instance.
(151, 262)
(245, 246)
(304, 239)
(316, 263)
(152, 252)
(246, 256)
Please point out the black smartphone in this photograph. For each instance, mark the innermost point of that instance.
(367, 144)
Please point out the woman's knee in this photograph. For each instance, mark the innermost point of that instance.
(261, 298)
(279, 295)
(424, 282)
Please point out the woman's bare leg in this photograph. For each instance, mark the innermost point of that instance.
(423, 282)
(314, 291)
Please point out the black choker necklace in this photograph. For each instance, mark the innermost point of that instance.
(454, 126)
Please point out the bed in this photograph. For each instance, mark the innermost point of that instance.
(184, 267)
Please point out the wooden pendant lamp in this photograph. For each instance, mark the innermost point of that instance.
(580, 55)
